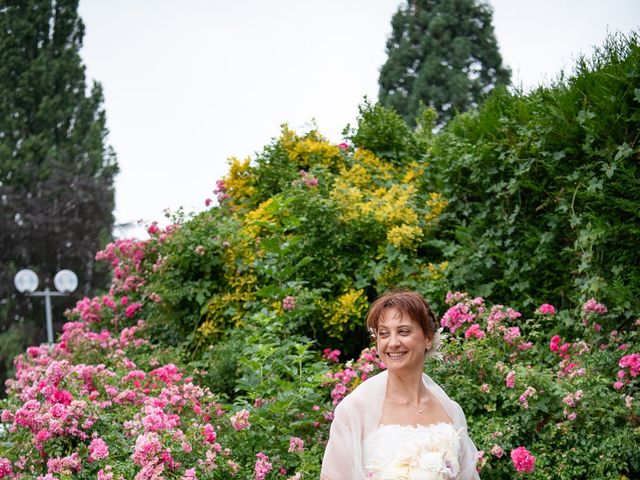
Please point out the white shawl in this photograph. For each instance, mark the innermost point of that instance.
(357, 416)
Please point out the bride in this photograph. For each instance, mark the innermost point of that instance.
(399, 424)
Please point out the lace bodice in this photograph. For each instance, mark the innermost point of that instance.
(405, 452)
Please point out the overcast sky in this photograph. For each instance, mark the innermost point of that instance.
(189, 84)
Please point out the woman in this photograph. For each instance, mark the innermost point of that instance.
(399, 424)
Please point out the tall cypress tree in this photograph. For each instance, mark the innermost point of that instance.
(443, 54)
(56, 172)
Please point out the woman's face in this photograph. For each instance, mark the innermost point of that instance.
(400, 341)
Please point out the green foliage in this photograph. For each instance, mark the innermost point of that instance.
(11, 344)
(185, 268)
(443, 54)
(542, 188)
(280, 378)
(218, 365)
(384, 132)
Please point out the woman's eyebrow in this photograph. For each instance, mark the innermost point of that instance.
(402, 325)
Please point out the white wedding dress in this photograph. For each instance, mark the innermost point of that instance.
(405, 452)
(357, 420)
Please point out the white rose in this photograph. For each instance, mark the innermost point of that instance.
(430, 461)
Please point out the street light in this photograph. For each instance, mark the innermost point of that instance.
(65, 281)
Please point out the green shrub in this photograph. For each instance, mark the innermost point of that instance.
(542, 188)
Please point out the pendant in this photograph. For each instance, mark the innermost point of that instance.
(419, 410)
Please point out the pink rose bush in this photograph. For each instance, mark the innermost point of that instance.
(111, 409)
(539, 372)
(347, 377)
(104, 403)
(221, 191)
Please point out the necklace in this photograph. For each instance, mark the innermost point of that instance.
(418, 408)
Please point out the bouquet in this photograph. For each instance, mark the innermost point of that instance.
(436, 459)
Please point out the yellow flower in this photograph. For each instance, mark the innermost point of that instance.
(415, 171)
(240, 181)
(404, 236)
(345, 312)
(394, 205)
(208, 329)
(437, 271)
(349, 199)
(436, 203)
(384, 170)
(257, 219)
(357, 176)
(311, 149)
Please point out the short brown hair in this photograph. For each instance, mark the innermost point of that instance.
(406, 302)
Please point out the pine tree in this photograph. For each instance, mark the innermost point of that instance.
(443, 54)
(56, 172)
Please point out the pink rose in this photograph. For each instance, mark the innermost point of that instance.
(522, 460)
(262, 467)
(98, 449)
(289, 303)
(153, 229)
(296, 445)
(240, 420)
(547, 309)
(497, 451)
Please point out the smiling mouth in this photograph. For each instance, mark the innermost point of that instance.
(396, 354)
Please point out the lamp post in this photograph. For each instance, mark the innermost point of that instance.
(65, 281)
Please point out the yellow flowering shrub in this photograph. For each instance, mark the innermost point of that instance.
(394, 205)
(328, 227)
(373, 190)
(345, 312)
(226, 309)
(436, 203)
(379, 170)
(310, 149)
(404, 236)
(256, 220)
(240, 182)
(357, 175)
(436, 271)
(350, 200)
(414, 171)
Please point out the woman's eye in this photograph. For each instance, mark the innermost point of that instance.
(404, 332)
(383, 334)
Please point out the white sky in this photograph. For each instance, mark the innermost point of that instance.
(189, 84)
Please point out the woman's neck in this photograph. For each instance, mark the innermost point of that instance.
(406, 387)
